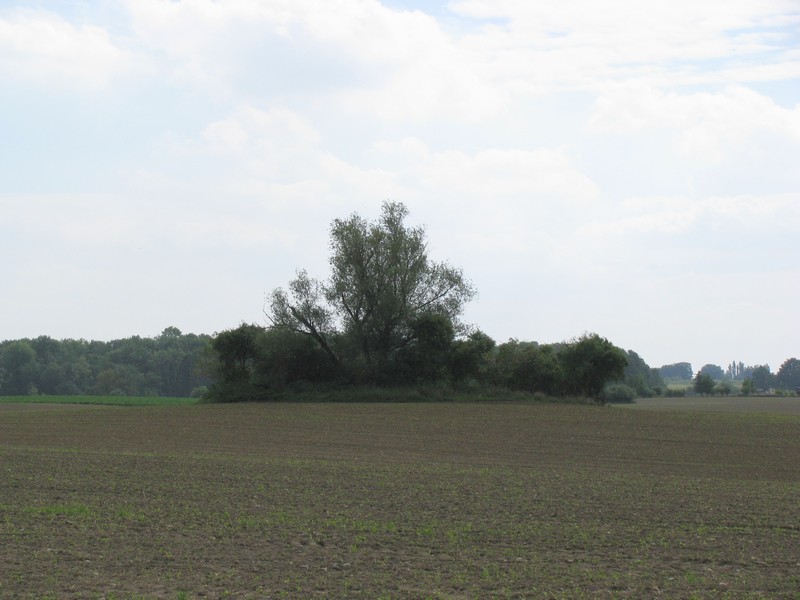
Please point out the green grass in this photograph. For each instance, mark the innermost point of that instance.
(104, 400)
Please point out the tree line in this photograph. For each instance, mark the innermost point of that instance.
(388, 315)
(751, 379)
(172, 364)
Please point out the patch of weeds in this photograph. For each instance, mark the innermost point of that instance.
(249, 522)
(128, 513)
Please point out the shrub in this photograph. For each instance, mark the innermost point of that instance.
(618, 392)
(724, 388)
(674, 392)
(199, 392)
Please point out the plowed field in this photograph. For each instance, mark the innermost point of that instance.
(397, 501)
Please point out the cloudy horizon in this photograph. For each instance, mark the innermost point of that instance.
(616, 167)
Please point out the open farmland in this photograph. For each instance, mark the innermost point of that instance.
(779, 405)
(396, 501)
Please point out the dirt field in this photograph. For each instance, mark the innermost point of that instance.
(786, 405)
(397, 501)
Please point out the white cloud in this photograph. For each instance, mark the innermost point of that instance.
(406, 65)
(44, 48)
(703, 126)
(274, 143)
(542, 173)
(668, 216)
(396, 65)
(637, 32)
(583, 44)
(276, 157)
(115, 222)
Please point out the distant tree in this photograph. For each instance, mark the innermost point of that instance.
(173, 361)
(682, 370)
(166, 365)
(53, 379)
(714, 371)
(381, 283)
(47, 349)
(590, 362)
(723, 388)
(120, 380)
(286, 357)
(469, 358)
(237, 350)
(640, 377)
(426, 357)
(738, 371)
(747, 387)
(788, 376)
(762, 378)
(530, 367)
(18, 359)
(704, 383)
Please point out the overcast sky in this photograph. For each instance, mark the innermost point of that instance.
(614, 166)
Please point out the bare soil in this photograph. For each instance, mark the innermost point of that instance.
(397, 501)
(778, 405)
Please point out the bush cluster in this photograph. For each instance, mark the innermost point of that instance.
(262, 363)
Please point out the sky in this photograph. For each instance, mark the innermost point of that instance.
(620, 167)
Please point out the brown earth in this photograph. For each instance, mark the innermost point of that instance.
(397, 501)
(778, 405)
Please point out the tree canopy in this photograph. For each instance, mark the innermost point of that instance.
(381, 287)
(681, 370)
(788, 375)
(170, 364)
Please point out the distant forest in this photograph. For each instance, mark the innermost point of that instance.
(264, 361)
(386, 317)
(172, 364)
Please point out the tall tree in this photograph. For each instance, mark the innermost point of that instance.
(713, 371)
(18, 359)
(704, 383)
(762, 378)
(237, 350)
(381, 283)
(788, 375)
(681, 370)
(590, 362)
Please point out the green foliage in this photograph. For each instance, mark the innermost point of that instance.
(619, 392)
(673, 392)
(21, 367)
(469, 358)
(286, 357)
(237, 351)
(579, 368)
(723, 388)
(530, 367)
(168, 365)
(704, 383)
(714, 371)
(763, 380)
(681, 370)
(646, 382)
(591, 361)
(747, 387)
(426, 357)
(101, 400)
(788, 376)
(381, 284)
(254, 363)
